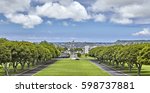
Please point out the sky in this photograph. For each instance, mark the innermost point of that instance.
(78, 20)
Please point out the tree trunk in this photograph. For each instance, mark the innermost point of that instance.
(28, 63)
(130, 68)
(37, 62)
(22, 65)
(113, 63)
(15, 69)
(5, 67)
(139, 66)
(122, 65)
(110, 62)
(33, 62)
(15, 64)
(117, 64)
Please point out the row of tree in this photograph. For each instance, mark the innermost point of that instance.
(14, 53)
(119, 55)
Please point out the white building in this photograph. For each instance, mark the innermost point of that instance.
(86, 49)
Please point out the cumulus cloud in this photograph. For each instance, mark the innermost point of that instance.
(111, 5)
(28, 21)
(63, 2)
(20, 11)
(125, 11)
(12, 6)
(74, 11)
(99, 18)
(144, 32)
(121, 20)
(116, 11)
(14, 11)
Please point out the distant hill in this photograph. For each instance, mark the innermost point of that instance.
(131, 41)
(92, 44)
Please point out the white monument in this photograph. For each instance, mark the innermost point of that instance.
(73, 55)
(86, 49)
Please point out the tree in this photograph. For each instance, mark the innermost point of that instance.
(133, 55)
(116, 55)
(143, 58)
(52, 48)
(79, 54)
(13, 53)
(5, 58)
(86, 55)
(3, 40)
(13, 46)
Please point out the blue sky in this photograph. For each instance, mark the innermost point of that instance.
(67, 20)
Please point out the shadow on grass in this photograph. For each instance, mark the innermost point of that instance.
(144, 72)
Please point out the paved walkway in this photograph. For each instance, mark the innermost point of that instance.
(38, 68)
(108, 69)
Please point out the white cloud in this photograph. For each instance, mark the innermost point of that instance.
(111, 5)
(43, 1)
(99, 18)
(125, 11)
(117, 11)
(12, 6)
(28, 21)
(13, 10)
(74, 11)
(63, 2)
(144, 32)
(21, 12)
(143, 21)
(121, 20)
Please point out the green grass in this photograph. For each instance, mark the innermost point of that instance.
(11, 72)
(1, 71)
(144, 72)
(86, 57)
(69, 67)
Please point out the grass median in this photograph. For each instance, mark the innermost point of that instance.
(69, 67)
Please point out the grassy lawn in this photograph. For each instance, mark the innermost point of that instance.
(144, 72)
(69, 67)
(86, 57)
(11, 72)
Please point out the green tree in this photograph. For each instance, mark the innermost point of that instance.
(5, 58)
(143, 58)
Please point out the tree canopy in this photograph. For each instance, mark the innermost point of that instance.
(135, 55)
(14, 53)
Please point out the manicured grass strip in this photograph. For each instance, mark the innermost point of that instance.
(144, 72)
(69, 67)
(11, 72)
